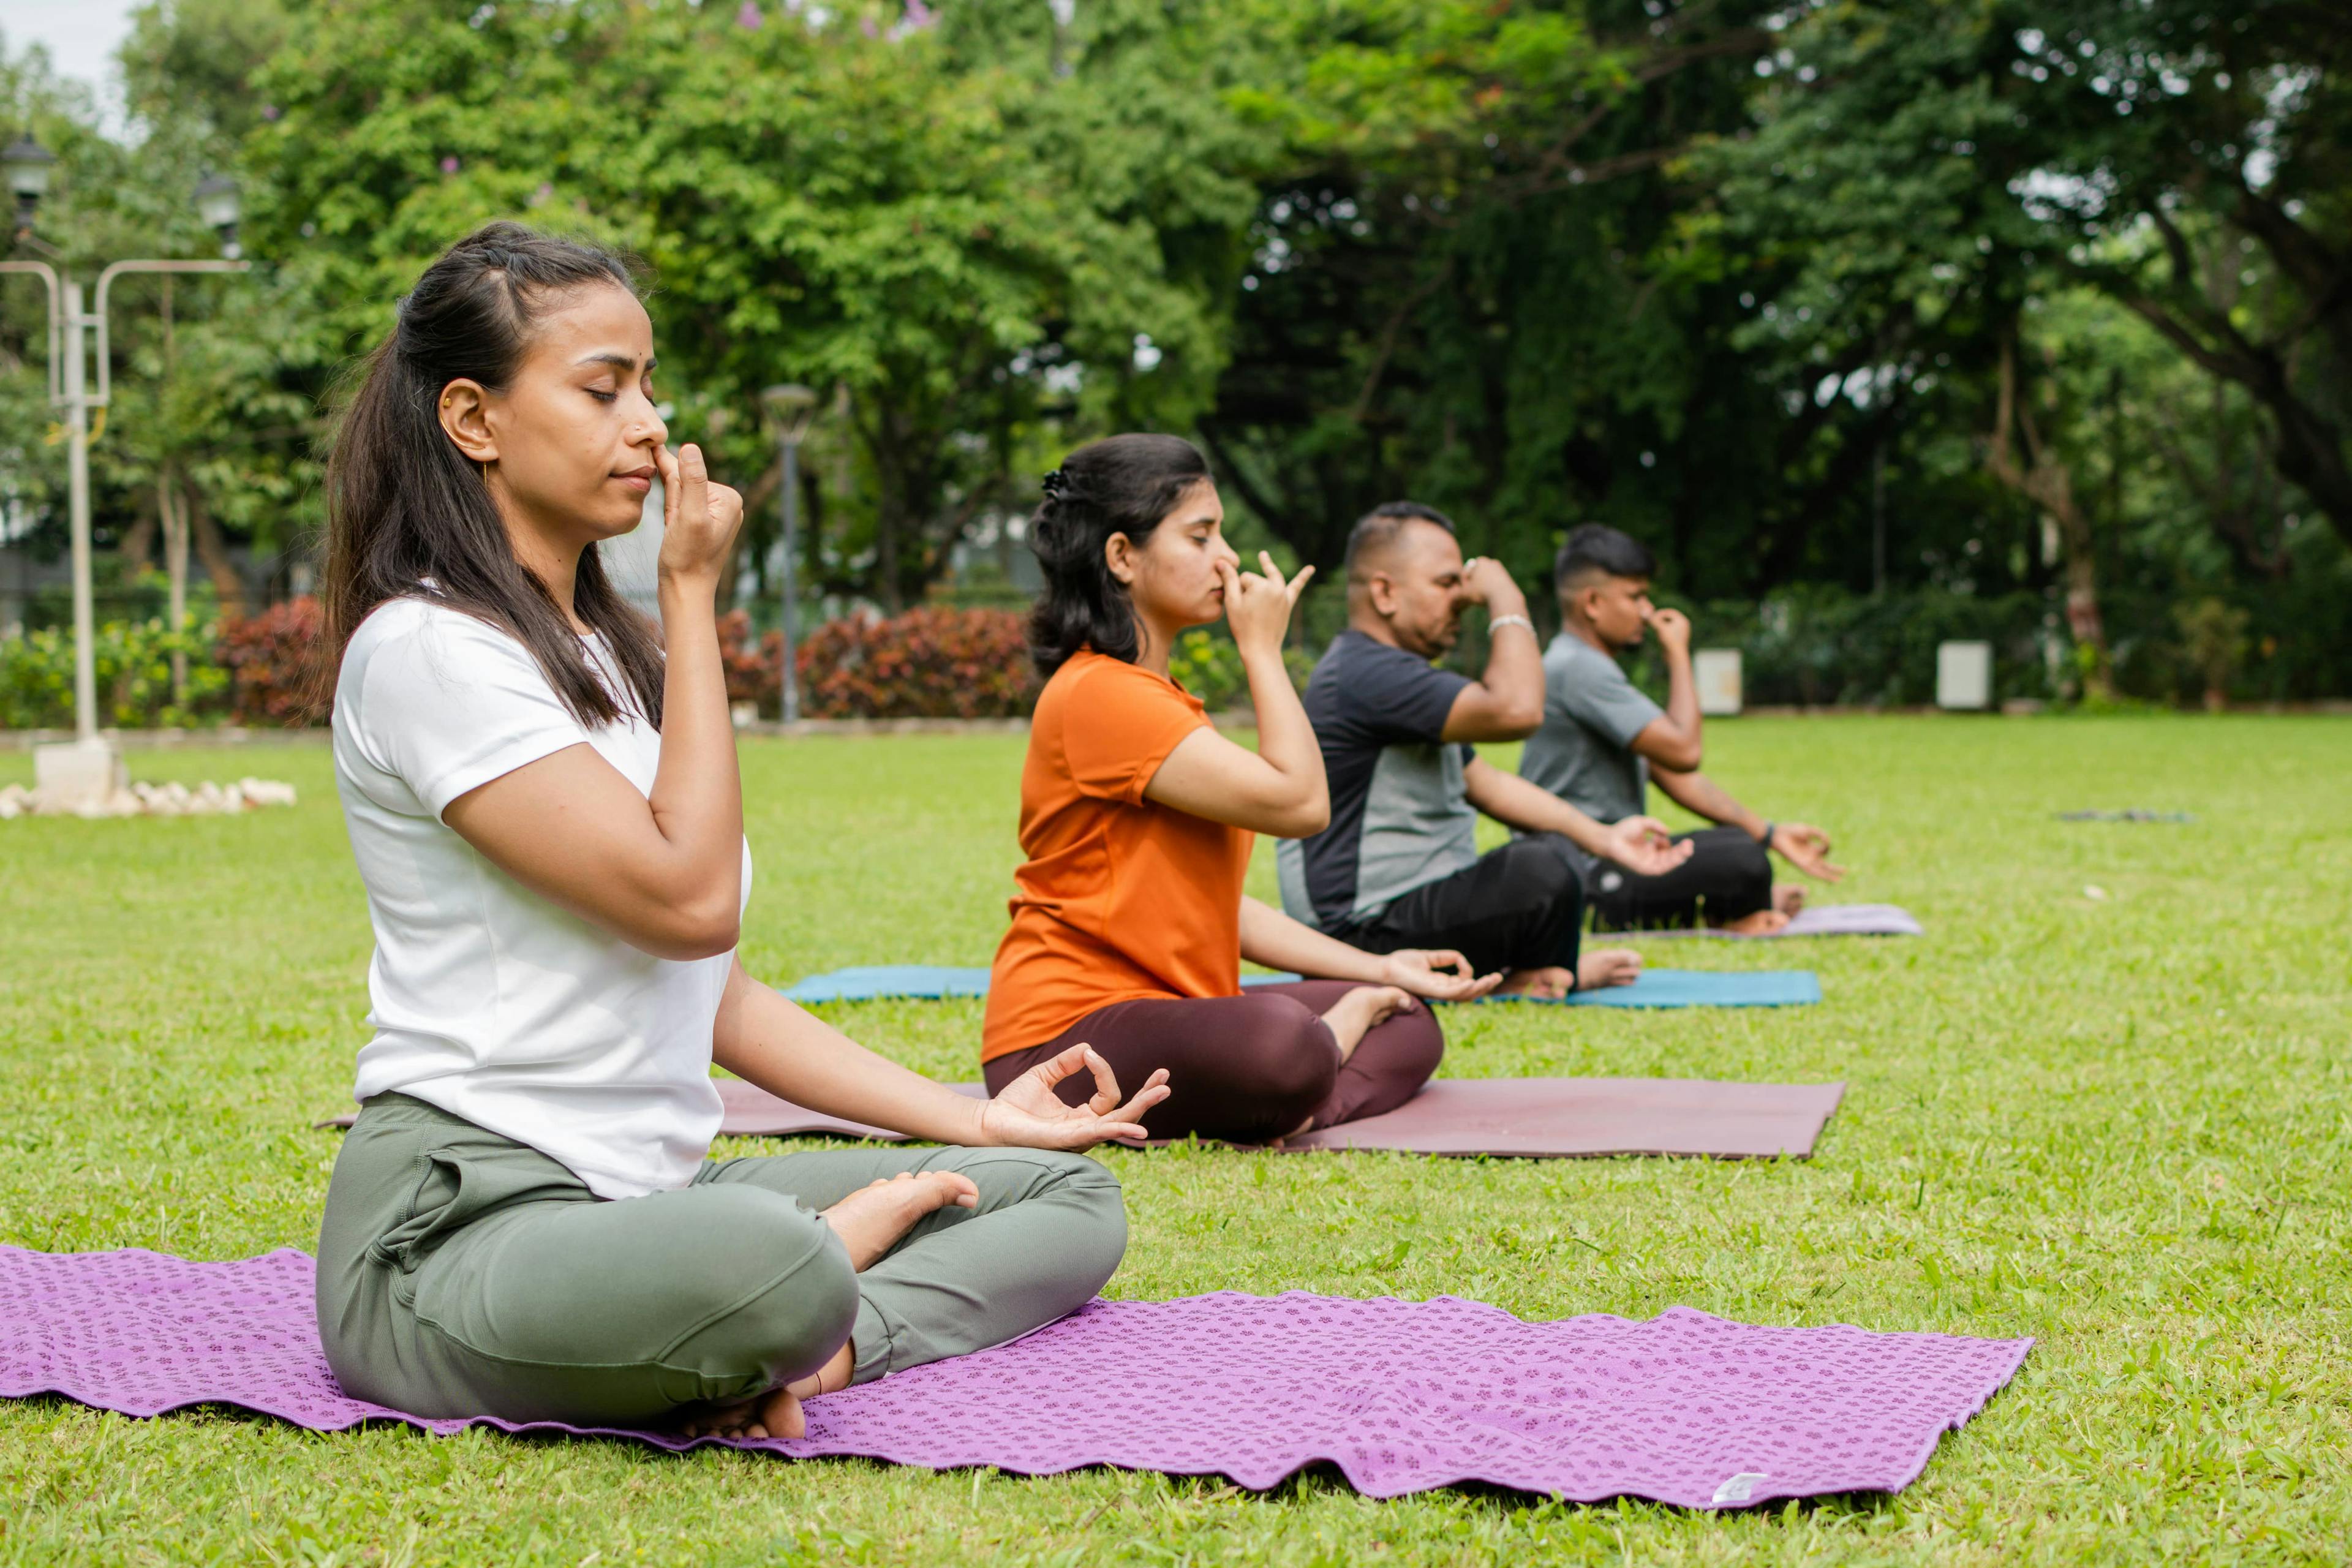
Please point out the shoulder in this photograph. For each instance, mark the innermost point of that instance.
(416, 646)
(1570, 655)
(1094, 677)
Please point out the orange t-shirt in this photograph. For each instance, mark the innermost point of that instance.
(1122, 898)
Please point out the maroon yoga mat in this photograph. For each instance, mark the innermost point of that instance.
(1401, 1396)
(1532, 1117)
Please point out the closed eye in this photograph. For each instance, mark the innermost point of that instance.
(603, 397)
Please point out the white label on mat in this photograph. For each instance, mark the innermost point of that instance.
(1739, 1487)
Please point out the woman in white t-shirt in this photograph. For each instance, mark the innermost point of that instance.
(546, 814)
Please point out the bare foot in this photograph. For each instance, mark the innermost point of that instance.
(775, 1414)
(1789, 898)
(1549, 983)
(1361, 1011)
(870, 1220)
(1609, 966)
(1763, 922)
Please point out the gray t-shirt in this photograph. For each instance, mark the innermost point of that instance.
(1584, 753)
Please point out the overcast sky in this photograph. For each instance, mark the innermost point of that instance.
(81, 36)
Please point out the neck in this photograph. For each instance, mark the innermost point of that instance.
(547, 555)
(1362, 618)
(1570, 621)
(1153, 644)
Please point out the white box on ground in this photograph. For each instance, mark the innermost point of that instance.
(1717, 672)
(75, 774)
(1964, 675)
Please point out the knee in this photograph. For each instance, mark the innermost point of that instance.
(1093, 1233)
(1292, 1061)
(1544, 869)
(1419, 1041)
(773, 1297)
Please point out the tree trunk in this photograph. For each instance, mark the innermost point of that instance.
(213, 550)
(174, 508)
(2045, 482)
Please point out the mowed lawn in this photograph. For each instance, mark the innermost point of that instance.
(2103, 1102)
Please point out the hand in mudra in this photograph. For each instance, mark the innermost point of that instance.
(1643, 847)
(1030, 1115)
(1807, 848)
(1439, 973)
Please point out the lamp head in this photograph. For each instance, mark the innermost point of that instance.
(792, 406)
(26, 163)
(217, 205)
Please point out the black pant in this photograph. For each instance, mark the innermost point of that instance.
(1245, 1068)
(1520, 907)
(1727, 878)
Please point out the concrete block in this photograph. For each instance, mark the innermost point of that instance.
(1718, 673)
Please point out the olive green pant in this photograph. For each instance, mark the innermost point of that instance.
(461, 1273)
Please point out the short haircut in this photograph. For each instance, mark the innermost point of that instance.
(1377, 530)
(1596, 549)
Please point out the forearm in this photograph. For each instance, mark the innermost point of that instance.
(1514, 675)
(1702, 796)
(697, 792)
(768, 1041)
(1285, 740)
(1531, 808)
(1681, 694)
(1272, 938)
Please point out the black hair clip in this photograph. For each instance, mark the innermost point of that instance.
(1056, 483)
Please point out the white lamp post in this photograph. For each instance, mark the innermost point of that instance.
(90, 769)
(790, 407)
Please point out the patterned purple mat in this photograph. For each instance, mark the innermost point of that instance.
(1402, 1396)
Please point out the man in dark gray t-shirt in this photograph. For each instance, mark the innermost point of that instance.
(1601, 734)
(1398, 866)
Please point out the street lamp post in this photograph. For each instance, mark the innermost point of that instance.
(790, 407)
(90, 769)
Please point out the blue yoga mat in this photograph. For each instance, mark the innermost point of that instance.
(1656, 988)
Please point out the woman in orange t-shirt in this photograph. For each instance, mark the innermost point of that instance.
(1129, 923)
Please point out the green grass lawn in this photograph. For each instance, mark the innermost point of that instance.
(2118, 1124)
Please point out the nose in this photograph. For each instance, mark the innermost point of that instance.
(647, 430)
(1227, 554)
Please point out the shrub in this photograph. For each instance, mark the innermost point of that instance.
(928, 663)
(1208, 666)
(274, 661)
(132, 663)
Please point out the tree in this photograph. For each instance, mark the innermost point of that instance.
(911, 207)
(2143, 147)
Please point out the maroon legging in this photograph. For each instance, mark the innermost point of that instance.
(1247, 1069)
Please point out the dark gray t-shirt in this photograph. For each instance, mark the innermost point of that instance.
(1401, 815)
(1584, 753)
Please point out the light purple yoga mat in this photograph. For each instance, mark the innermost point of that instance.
(1528, 1116)
(1402, 1396)
(1814, 919)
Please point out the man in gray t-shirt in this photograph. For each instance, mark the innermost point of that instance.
(1601, 734)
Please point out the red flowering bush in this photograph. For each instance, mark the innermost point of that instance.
(275, 662)
(928, 663)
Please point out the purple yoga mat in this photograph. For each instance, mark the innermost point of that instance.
(1401, 1397)
(1815, 920)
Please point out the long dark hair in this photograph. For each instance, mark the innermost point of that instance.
(1124, 484)
(410, 516)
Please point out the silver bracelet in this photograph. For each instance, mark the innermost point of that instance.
(1499, 622)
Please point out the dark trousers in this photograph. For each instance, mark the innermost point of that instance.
(1519, 907)
(1247, 1069)
(1727, 878)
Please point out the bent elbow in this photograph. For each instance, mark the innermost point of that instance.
(1521, 721)
(696, 930)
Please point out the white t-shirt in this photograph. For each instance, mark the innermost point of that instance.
(488, 1000)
